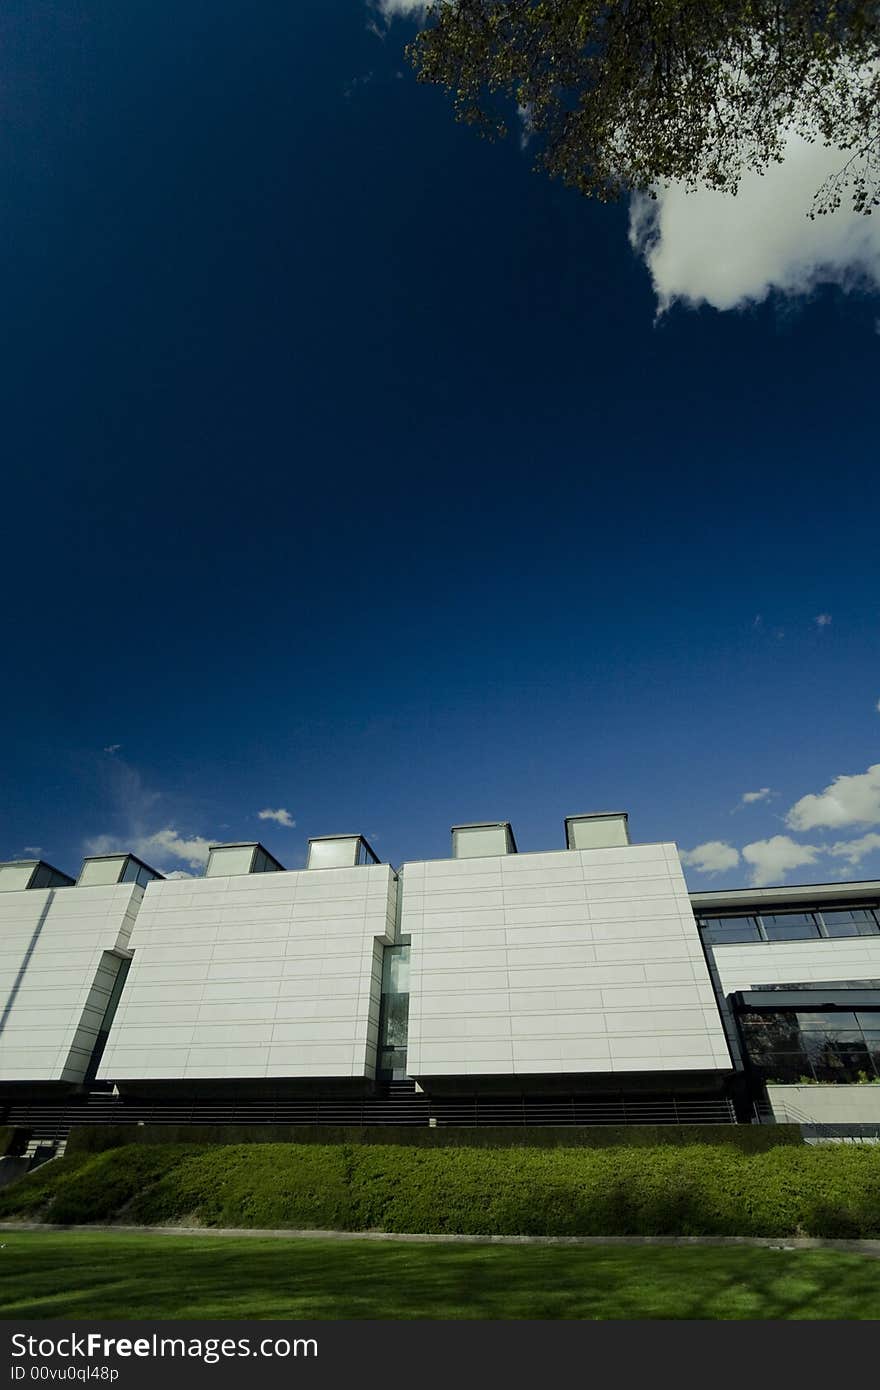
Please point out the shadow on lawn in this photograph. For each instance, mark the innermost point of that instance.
(73, 1275)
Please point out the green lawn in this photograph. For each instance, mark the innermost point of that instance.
(74, 1275)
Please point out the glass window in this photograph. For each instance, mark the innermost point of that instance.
(831, 1020)
(787, 1068)
(838, 1066)
(395, 1020)
(853, 921)
(727, 931)
(830, 1045)
(392, 1063)
(792, 919)
(394, 1012)
(395, 970)
(789, 926)
(264, 863)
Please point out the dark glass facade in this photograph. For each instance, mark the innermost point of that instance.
(790, 926)
(394, 1014)
(812, 1045)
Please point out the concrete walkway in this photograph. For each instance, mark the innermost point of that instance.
(859, 1247)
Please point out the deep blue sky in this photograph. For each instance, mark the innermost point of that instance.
(346, 469)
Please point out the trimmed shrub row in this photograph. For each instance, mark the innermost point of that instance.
(692, 1190)
(746, 1138)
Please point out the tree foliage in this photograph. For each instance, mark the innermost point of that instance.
(628, 94)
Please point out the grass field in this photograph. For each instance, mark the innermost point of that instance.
(81, 1275)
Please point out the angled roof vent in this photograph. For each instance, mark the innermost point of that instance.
(339, 852)
(598, 830)
(481, 839)
(32, 873)
(248, 857)
(101, 870)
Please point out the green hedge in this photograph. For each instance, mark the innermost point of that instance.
(669, 1190)
(746, 1138)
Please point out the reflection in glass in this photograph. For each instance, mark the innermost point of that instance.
(394, 1013)
(789, 926)
(832, 1020)
(788, 919)
(830, 1045)
(852, 921)
(728, 931)
(395, 970)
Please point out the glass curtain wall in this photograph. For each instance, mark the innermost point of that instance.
(790, 926)
(394, 1014)
(834, 1045)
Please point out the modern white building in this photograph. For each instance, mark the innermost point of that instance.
(577, 984)
(582, 962)
(63, 958)
(257, 972)
(796, 972)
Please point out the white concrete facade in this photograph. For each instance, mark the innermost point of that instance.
(255, 976)
(577, 961)
(754, 963)
(825, 1105)
(57, 971)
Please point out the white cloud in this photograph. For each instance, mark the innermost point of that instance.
(771, 859)
(823, 619)
(390, 8)
(142, 826)
(167, 843)
(712, 248)
(528, 130)
(748, 798)
(281, 816)
(157, 848)
(33, 849)
(846, 801)
(113, 748)
(105, 844)
(712, 857)
(878, 706)
(854, 851)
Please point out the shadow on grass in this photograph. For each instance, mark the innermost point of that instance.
(87, 1276)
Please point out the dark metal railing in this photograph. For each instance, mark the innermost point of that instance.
(401, 1105)
(580, 1110)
